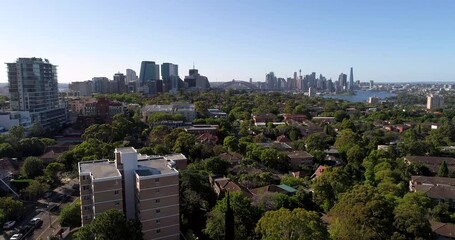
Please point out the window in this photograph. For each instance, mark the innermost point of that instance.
(157, 179)
(158, 230)
(86, 197)
(157, 201)
(116, 192)
(157, 221)
(157, 190)
(117, 203)
(83, 177)
(157, 210)
(85, 188)
(86, 208)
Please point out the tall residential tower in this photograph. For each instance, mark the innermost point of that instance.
(33, 87)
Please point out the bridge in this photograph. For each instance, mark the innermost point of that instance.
(237, 85)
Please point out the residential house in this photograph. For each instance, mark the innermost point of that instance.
(441, 189)
(432, 163)
(232, 157)
(282, 188)
(298, 158)
(224, 184)
(443, 231)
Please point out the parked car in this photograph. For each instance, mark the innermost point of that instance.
(9, 225)
(16, 236)
(36, 222)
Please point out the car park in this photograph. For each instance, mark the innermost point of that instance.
(16, 236)
(9, 225)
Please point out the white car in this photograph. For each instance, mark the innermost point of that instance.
(9, 224)
(16, 236)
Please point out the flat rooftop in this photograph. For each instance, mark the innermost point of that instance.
(126, 150)
(154, 166)
(175, 157)
(100, 169)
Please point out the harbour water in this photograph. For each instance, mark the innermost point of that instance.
(362, 96)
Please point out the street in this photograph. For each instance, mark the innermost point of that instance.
(47, 210)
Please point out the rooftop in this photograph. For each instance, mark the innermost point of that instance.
(154, 166)
(99, 169)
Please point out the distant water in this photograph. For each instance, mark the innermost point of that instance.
(362, 96)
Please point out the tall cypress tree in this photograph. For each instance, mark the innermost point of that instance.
(443, 170)
(229, 221)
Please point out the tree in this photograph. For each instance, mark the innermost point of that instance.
(32, 167)
(35, 189)
(216, 166)
(231, 143)
(328, 187)
(346, 140)
(51, 171)
(31, 146)
(70, 216)
(316, 141)
(362, 213)
(443, 170)
(296, 224)
(111, 225)
(245, 217)
(196, 198)
(6, 150)
(16, 133)
(11, 208)
(184, 143)
(411, 222)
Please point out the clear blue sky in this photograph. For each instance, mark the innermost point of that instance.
(406, 40)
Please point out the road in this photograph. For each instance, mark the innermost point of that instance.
(50, 218)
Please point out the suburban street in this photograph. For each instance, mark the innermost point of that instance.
(50, 216)
(47, 210)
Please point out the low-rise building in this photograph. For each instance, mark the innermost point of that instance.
(432, 163)
(299, 158)
(441, 189)
(186, 109)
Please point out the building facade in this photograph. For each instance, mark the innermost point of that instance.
(145, 188)
(33, 87)
(170, 76)
(435, 102)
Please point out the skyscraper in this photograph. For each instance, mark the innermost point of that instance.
(148, 71)
(130, 76)
(342, 81)
(351, 80)
(170, 74)
(33, 87)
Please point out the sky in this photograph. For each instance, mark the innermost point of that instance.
(384, 41)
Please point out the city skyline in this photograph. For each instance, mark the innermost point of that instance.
(385, 42)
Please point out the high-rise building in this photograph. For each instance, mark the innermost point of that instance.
(131, 76)
(435, 102)
(342, 81)
(271, 81)
(371, 84)
(101, 85)
(84, 88)
(351, 80)
(33, 87)
(149, 71)
(170, 76)
(145, 188)
(196, 80)
(118, 84)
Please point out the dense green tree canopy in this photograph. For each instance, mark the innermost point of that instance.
(298, 224)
